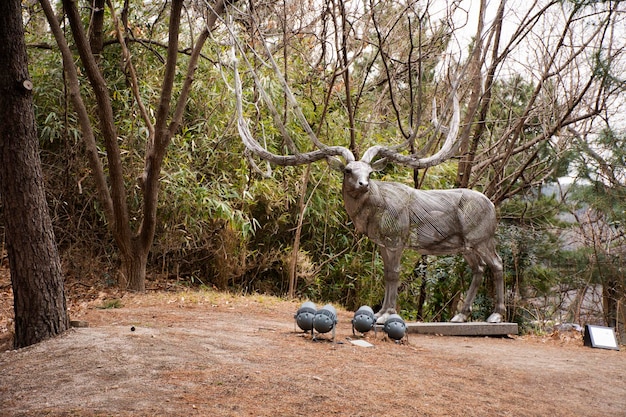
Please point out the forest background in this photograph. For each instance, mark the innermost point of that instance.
(147, 179)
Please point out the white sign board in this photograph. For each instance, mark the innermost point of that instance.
(600, 337)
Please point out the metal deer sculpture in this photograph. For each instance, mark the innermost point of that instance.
(396, 216)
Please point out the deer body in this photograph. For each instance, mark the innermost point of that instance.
(435, 222)
(432, 222)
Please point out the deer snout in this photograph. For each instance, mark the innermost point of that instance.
(356, 178)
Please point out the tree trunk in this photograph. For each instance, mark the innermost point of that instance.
(96, 28)
(419, 272)
(134, 269)
(610, 297)
(36, 276)
(465, 164)
(293, 266)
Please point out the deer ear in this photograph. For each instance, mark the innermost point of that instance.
(335, 163)
(379, 164)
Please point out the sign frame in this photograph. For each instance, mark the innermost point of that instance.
(600, 337)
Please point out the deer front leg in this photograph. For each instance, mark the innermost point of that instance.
(391, 262)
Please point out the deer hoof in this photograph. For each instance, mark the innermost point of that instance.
(495, 318)
(459, 318)
(382, 317)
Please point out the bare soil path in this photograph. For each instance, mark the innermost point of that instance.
(213, 354)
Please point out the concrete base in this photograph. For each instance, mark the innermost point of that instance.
(462, 329)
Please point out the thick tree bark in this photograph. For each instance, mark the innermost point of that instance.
(36, 276)
(134, 267)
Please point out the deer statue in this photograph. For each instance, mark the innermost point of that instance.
(396, 216)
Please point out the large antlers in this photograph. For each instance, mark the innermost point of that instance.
(447, 150)
(284, 160)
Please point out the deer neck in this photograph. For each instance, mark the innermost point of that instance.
(360, 207)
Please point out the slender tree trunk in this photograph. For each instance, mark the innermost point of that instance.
(621, 321)
(343, 50)
(96, 28)
(610, 296)
(465, 163)
(470, 147)
(36, 276)
(293, 267)
(419, 271)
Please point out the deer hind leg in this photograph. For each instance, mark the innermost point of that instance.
(391, 262)
(495, 264)
(478, 268)
(488, 256)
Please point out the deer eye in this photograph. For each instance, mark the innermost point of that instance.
(347, 171)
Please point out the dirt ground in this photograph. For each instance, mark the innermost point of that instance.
(185, 353)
